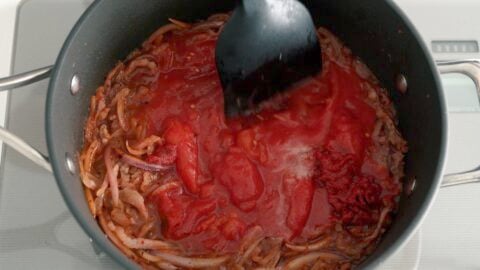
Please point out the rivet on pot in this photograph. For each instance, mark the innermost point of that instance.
(410, 186)
(70, 164)
(75, 85)
(402, 83)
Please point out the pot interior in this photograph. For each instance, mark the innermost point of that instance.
(374, 30)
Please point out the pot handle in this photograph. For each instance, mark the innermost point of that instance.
(470, 68)
(25, 78)
(9, 138)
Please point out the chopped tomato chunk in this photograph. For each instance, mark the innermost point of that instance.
(182, 213)
(301, 197)
(241, 178)
(254, 148)
(182, 136)
(163, 155)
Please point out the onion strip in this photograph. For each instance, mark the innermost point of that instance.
(134, 151)
(104, 185)
(145, 229)
(375, 233)
(134, 198)
(158, 261)
(249, 250)
(310, 246)
(191, 262)
(121, 102)
(88, 179)
(160, 32)
(138, 163)
(142, 147)
(138, 243)
(103, 223)
(148, 141)
(303, 260)
(180, 23)
(90, 155)
(112, 175)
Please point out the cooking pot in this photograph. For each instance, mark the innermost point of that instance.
(375, 30)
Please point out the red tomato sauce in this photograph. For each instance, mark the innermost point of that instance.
(293, 168)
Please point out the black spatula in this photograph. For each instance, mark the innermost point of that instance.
(265, 47)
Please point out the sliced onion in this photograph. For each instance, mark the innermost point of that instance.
(134, 151)
(120, 217)
(102, 115)
(160, 32)
(134, 198)
(91, 121)
(302, 260)
(116, 133)
(90, 155)
(142, 147)
(251, 237)
(141, 62)
(112, 174)
(274, 246)
(383, 215)
(147, 180)
(167, 186)
(145, 229)
(104, 185)
(148, 141)
(190, 262)
(361, 69)
(272, 259)
(158, 261)
(219, 17)
(136, 162)
(104, 133)
(121, 108)
(251, 247)
(180, 23)
(113, 75)
(166, 266)
(88, 179)
(149, 257)
(138, 243)
(310, 246)
(111, 235)
(208, 25)
(98, 205)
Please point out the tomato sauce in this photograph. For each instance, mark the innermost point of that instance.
(293, 168)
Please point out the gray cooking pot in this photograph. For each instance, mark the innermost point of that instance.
(375, 30)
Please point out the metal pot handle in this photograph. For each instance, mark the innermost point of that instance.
(9, 138)
(26, 78)
(471, 68)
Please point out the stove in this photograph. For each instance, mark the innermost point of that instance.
(38, 232)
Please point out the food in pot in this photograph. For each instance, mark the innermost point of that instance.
(309, 180)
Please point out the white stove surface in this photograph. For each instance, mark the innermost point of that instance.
(38, 232)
